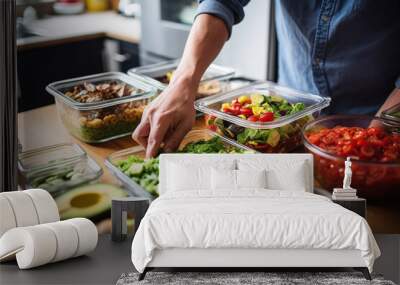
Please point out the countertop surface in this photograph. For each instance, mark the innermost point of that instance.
(67, 28)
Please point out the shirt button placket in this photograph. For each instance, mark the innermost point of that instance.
(320, 45)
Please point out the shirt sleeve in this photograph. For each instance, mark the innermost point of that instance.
(398, 83)
(229, 11)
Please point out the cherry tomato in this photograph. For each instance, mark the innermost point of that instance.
(390, 155)
(376, 142)
(246, 111)
(346, 149)
(361, 142)
(235, 101)
(314, 138)
(236, 105)
(253, 118)
(367, 151)
(375, 132)
(231, 111)
(267, 117)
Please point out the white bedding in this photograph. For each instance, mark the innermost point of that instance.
(250, 219)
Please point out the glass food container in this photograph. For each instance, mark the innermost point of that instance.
(160, 74)
(101, 107)
(149, 181)
(57, 168)
(276, 134)
(374, 180)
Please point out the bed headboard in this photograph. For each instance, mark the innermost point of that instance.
(210, 159)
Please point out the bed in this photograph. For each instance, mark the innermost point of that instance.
(247, 210)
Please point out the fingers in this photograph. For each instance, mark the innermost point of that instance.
(141, 134)
(142, 131)
(158, 129)
(174, 139)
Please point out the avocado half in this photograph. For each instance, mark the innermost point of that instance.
(91, 201)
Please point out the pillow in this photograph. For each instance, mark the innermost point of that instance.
(293, 178)
(251, 178)
(288, 175)
(223, 179)
(188, 176)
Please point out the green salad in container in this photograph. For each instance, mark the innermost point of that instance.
(145, 172)
(263, 116)
(261, 108)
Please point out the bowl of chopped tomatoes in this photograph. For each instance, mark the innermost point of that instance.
(373, 146)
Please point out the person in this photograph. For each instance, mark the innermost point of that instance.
(348, 50)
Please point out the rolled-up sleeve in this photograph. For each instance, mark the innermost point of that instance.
(229, 11)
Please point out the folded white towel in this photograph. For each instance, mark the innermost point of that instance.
(26, 208)
(7, 218)
(40, 244)
(46, 207)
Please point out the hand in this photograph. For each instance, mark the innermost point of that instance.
(168, 118)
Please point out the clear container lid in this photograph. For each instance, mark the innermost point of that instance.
(392, 114)
(150, 73)
(211, 105)
(58, 89)
(49, 157)
(57, 168)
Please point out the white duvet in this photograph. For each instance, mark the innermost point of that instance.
(250, 219)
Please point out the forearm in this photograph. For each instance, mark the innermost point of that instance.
(393, 99)
(205, 41)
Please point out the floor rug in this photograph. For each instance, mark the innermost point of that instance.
(244, 278)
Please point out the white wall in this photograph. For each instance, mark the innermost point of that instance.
(247, 49)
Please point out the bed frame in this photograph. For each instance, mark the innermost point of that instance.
(256, 258)
(246, 258)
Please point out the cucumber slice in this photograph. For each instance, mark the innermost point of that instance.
(135, 169)
(257, 99)
(273, 138)
(276, 98)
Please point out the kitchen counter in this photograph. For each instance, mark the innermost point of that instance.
(41, 127)
(71, 28)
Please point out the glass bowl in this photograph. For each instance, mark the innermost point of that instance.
(214, 80)
(98, 120)
(278, 136)
(374, 180)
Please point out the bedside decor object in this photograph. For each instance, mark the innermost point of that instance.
(26, 208)
(137, 206)
(347, 192)
(46, 243)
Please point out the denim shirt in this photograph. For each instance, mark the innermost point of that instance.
(347, 50)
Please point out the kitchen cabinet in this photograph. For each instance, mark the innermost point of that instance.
(68, 46)
(40, 66)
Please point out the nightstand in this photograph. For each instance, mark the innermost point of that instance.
(358, 205)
